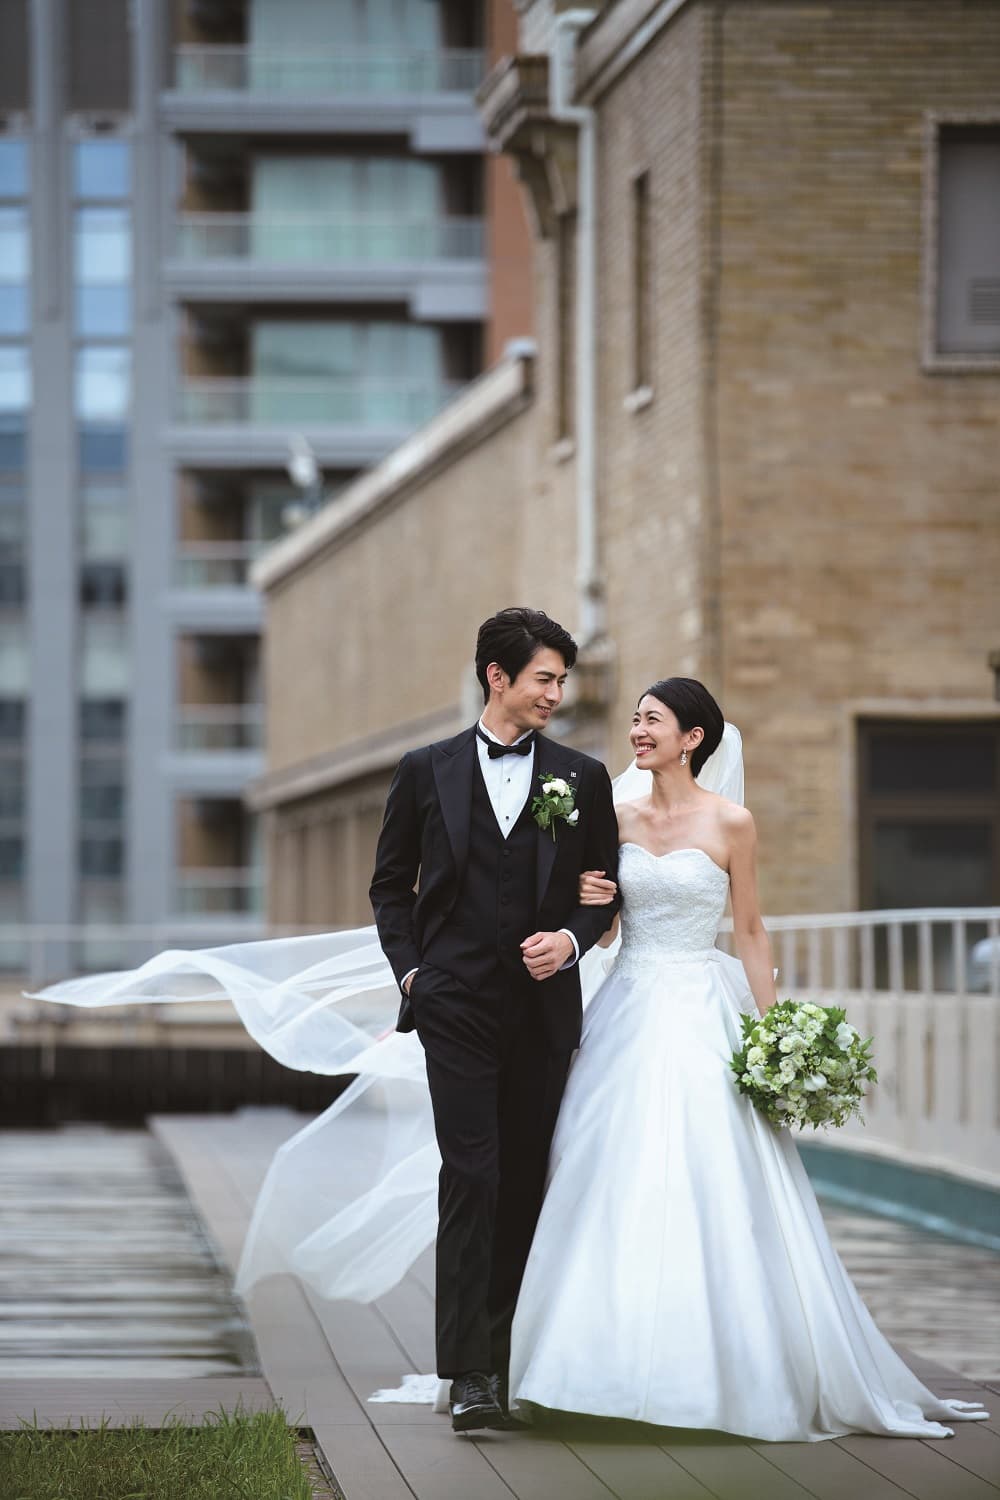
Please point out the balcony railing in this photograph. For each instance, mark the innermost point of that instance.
(215, 892)
(215, 565)
(327, 240)
(360, 402)
(220, 726)
(327, 71)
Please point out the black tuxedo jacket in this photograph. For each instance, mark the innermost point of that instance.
(425, 832)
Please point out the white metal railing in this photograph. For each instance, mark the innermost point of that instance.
(318, 240)
(327, 71)
(220, 726)
(933, 950)
(926, 985)
(356, 402)
(209, 565)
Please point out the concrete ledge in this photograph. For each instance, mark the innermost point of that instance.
(930, 1199)
(361, 757)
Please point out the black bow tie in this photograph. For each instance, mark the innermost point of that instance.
(523, 747)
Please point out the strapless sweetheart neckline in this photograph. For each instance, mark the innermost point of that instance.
(690, 849)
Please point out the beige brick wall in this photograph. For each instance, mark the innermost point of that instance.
(654, 517)
(860, 542)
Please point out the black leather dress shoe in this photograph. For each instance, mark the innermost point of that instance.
(472, 1402)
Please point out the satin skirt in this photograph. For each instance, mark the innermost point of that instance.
(681, 1273)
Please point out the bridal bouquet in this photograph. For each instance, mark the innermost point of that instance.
(803, 1065)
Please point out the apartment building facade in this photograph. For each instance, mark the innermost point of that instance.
(233, 234)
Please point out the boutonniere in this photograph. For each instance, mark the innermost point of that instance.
(556, 803)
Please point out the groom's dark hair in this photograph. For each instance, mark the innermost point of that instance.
(512, 637)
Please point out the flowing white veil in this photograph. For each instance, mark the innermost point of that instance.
(350, 1201)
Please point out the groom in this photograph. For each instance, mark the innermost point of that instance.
(485, 953)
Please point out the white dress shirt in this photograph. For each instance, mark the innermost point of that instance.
(508, 780)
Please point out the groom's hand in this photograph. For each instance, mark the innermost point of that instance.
(544, 953)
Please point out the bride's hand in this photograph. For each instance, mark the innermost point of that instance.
(595, 890)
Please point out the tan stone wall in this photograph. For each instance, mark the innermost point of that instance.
(860, 508)
(654, 505)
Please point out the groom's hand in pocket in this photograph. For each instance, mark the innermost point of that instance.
(545, 953)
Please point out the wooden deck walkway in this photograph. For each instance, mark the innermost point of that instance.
(323, 1360)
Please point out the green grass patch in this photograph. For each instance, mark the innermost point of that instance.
(235, 1456)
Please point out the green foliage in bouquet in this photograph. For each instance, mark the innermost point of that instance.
(803, 1064)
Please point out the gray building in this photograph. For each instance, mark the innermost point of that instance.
(229, 230)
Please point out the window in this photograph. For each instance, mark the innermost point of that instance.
(103, 268)
(101, 169)
(968, 250)
(642, 311)
(13, 271)
(102, 720)
(377, 373)
(565, 330)
(929, 813)
(370, 207)
(104, 663)
(13, 169)
(102, 401)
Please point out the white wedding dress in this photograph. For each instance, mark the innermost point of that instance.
(681, 1273)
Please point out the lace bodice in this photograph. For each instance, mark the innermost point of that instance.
(672, 905)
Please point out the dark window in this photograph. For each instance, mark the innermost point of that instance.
(11, 788)
(968, 291)
(13, 717)
(102, 856)
(642, 312)
(565, 330)
(102, 719)
(103, 584)
(98, 54)
(929, 813)
(11, 858)
(13, 588)
(14, 69)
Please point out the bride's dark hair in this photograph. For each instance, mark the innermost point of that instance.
(694, 708)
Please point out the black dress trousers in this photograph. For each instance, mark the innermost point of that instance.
(496, 1087)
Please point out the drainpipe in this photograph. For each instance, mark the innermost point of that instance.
(568, 25)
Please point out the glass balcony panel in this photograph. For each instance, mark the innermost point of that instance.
(328, 71)
(359, 404)
(317, 241)
(219, 892)
(220, 726)
(210, 565)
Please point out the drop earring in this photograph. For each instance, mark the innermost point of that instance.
(684, 757)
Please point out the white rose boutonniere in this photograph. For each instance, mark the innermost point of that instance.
(557, 803)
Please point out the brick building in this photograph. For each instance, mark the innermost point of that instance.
(757, 444)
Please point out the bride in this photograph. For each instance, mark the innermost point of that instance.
(680, 1273)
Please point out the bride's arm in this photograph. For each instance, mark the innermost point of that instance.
(752, 942)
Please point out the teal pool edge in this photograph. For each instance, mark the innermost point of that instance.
(929, 1199)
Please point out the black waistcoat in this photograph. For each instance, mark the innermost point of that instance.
(496, 905)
